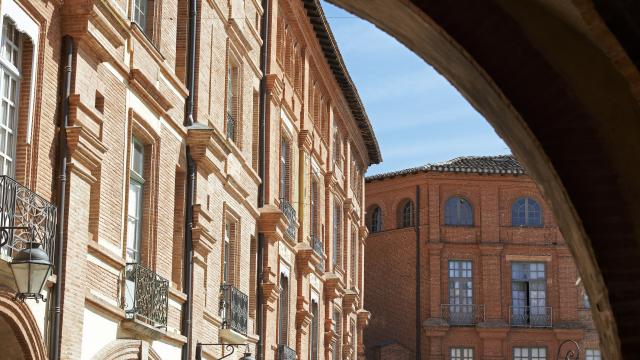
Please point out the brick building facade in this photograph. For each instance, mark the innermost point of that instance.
(496, 279)
(281, 248)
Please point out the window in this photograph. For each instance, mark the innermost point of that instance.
(376, 220)
(10, 68)
(337, 328)
(407, 214)
(285, 165)
(315, 321)
(136, 196)
(314, 208)
(526, 212)
(526, 353)
(461, 354)
(592, 354)
(458, 211)
(337, 234)
(232, 104)
(143, 15)
(354, 337)
(283, 308)
(460, 293)
(230, 234)
(354, 257)
(528, 295)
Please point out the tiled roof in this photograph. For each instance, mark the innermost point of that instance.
(501, 164)
(336, 63)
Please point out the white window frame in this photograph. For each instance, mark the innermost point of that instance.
(461, 353)
(30, 28)
(135, 179)
(527, 353)
(592, 354)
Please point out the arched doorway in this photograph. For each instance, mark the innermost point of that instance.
(19, 333)
(561, 90)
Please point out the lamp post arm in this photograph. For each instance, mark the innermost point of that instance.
(230, 347)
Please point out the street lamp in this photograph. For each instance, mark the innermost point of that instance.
(230, 347)
(30, 268)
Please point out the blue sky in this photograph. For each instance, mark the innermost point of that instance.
(418, 116)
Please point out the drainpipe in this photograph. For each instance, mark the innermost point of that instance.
(54, 345)
(418, 285)
(262, 116)
(191, 182)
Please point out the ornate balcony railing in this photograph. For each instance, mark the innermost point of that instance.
(318, 246)
(286, 353)
(234, 307)
(25, 218)
(530, 316)
(146, 295)
(231, 127)
(462, 315)
(290, 214)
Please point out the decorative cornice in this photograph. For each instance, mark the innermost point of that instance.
(333, 286)
(207, 148)
(305, 140)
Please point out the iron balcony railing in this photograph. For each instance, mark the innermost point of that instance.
(530, 316)
(290, 214)
(462, 315)
(146, 295)
(286, 353)
(231, 127)
(25, 218)
(318, 246)
(234, 307)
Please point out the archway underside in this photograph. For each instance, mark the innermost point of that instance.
(560, 89)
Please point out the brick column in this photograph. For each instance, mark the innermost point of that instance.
(491, 276)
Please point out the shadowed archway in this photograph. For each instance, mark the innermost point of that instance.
(558, 80)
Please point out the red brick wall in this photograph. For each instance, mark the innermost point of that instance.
(492, 244)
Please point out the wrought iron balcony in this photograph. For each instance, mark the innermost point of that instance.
(146, 295)
(25, 218)
(530, 316)
(234, 307)
(462, 315)
(231, 127)
(286, 353)
(290, 214)
(318, 246)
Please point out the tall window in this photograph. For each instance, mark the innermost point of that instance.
(407, 214)
(460, 292)
(461, 353)
(526, 212)
(315, 324)
(10, 68)
(458, 211)
(143, 14)
(592, 354)
(376, 220)
(337, 234)
(529, 353)
(283, 316)
(230, 235)
(284, 168)
(314, 224)
(136, 196)
(337, 328)
(354, 257)
(232, 103)
(354, 337)
(528, 294)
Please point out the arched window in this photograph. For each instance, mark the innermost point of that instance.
(376, 220)
(526, 212)
(407, 214)
(458, 211)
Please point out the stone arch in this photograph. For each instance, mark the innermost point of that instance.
(127, 349)
(18, 317)
(567, 105)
